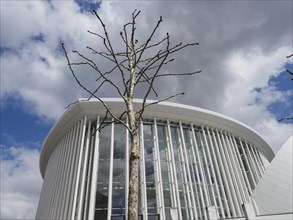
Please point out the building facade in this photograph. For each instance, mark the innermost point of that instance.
(191, 160)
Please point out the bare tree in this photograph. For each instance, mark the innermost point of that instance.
(136, 67)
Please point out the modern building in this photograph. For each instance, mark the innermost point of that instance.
(194, 164)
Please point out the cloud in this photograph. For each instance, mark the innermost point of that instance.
(35, 67)
(249, 97)
(236, 51)
(20, 182)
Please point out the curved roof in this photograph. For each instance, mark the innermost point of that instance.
(162, 111)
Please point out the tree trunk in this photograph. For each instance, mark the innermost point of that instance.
(133, 178)
(134, 154)
(133, 168)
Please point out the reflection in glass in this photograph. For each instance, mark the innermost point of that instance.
(118, 185)
(118, 200)
(119, 141)
(119, 172)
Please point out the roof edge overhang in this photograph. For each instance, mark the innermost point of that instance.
(164, 110)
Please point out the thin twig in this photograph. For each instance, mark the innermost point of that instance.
(141, 111)
(287, 118)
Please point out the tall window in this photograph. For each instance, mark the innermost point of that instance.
(103, 174)
(149, 169)
(118, 187)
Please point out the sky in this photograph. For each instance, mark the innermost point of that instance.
(242, 55)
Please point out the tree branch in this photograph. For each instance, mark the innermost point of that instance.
(88, 91)
(144, 46)
(157, 71)
(286, 118)
(141, 111)
(110, 47)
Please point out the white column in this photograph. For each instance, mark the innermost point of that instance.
(203, 184)
(190, 192)
(250, 164)
(230, 175)
(200, 184)
(185, 182)
(176, 188)
(209, 160)
(109, 211)
(83, 174)
(217, 171)
(242, 167)
(254, 167)
(90, 167)
(261, 162)
(62, 172)
(49, 178)
(159, 187)
(142, 175)
(94, 173)
(225, 174)
(79, 161)
(52, 198)
(170, 170)
(71, 181)
(234, 172)
(126, 170)
(52, 205)
(235, 165)
(213, 168)
(240, 178)
(255, 159)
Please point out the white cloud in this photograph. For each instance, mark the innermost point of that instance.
(20, 182)
(249, 97)
(37, 69)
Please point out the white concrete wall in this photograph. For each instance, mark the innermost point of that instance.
(274, 192)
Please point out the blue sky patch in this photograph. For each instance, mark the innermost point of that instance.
(19, 126)
(283, 83)
(88, 5)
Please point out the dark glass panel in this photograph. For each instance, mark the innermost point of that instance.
(103, 171)
(117, 217)
(149, 171)
(154, 217)
(119, 141)
(147, 132)
(151, 198)
(118, 199)
(100, 214)
(167, 197)
(119, 172)
(161, 132)
(101, 197)
(105, 142)
(164, 171)
(186, 134)
(148, 150)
